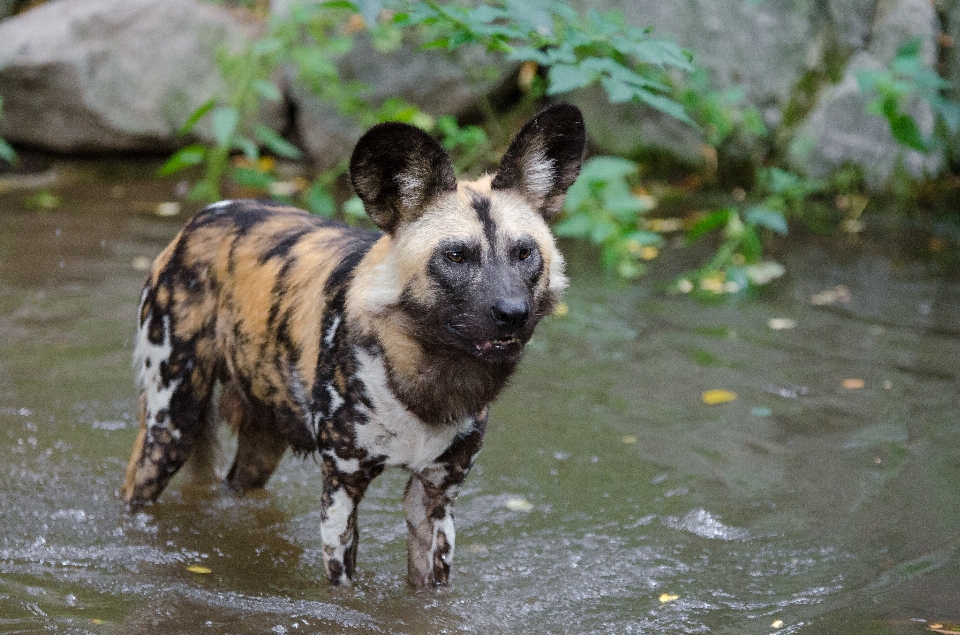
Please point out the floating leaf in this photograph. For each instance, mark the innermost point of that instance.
(853, 383)
(717, 396)
(777, 624)
(666, 597)
(195, 568)
(781, 324)
(628, 439)
(561, 309)
(170, 208)
(517, 504)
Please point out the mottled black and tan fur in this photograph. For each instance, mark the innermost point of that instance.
(369, 349)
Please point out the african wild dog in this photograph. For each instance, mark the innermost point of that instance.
(370, 349)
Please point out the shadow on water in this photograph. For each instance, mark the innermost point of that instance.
(609, 497)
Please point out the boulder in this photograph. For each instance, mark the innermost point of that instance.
(839, 131)
(111, 75)
(765, 48)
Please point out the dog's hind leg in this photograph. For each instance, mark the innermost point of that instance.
(174, 405)
(259, 445)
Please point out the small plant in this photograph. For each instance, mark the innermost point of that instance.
(602, 209)
(906, 80)
(7, 152)
(738, 266)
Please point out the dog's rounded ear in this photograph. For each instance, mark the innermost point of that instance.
(396, 170)
(545, 158)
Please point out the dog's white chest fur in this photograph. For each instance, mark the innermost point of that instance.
(392, 431)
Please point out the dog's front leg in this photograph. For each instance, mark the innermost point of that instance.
(339, 532)
(428, 504)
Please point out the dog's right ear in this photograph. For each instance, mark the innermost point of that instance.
(396, 170)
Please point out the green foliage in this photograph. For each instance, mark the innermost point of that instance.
(602, 209)
(904, 82)
(577, 51)
(720, 114)
(6, 150)
(738, 266)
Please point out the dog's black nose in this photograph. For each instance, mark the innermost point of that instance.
(510, 312)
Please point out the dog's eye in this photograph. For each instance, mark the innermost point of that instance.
(454, 256)
(523, 253)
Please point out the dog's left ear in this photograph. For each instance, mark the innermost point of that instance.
(396, 170)
(545, 158)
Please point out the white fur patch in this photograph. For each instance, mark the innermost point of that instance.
(332, 331)
(444, 526)
(347, 466)
(219, 205)
(538, 173)
(394, 432)
(334, 527)
(147, 358)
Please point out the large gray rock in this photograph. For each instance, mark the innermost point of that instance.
(782, 54)
(765, 48)
(110, 75)
(839, 131)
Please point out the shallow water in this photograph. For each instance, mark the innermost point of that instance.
(608, 498)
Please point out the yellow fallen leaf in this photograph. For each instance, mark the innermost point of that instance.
(96, 621)
(141, 263)
(777, 624)
(629, 438)
(649, 252)
(853, 384)
(561, 309)
(713, 397)
(666, 597)
(195, 568)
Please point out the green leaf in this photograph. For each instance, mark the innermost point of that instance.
(603, 169)
(277, 144)
(249, 148)
(750, 246)
(665, 105)
(196, 116)
(267, 90)
(225, 121)
(618, 92)
(183, 158)
(905, 131)
(765, 217)
(248, 177)
(710, 222)
(353, 208)
(575, 225)
(7, 153)
(566, 77)
(319, 201)
(645, 238)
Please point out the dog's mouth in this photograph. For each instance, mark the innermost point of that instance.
(500, 346)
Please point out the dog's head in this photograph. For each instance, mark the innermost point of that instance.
(471, 266)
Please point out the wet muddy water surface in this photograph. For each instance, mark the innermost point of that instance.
(609, 497)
